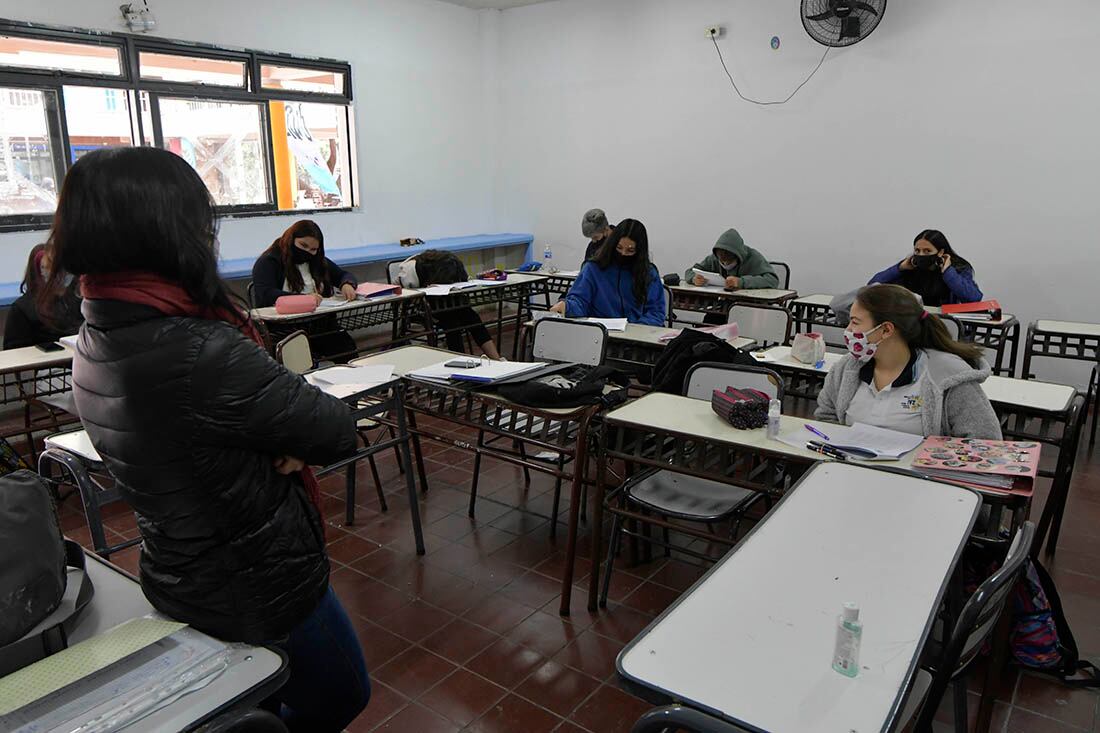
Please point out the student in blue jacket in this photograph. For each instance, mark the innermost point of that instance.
(620, 282)
(934, 271)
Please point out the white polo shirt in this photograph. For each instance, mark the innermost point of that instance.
(897, 406)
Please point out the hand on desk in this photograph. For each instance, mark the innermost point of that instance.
(288, 464)
(348, 291)
(558, 307)
(733, 283)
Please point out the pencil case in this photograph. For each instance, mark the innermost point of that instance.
(744, 409)
(288, 305)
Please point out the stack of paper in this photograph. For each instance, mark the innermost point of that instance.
(862, 441)
(332, 303)
(345, 381)
(713, 279)
(611, 324)
(488, 372)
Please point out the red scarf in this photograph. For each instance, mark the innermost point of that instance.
(169, 297)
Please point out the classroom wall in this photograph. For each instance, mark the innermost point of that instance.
(417, 67)
(976, 119)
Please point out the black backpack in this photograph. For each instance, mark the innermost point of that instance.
(34, 566)
(578, 386)
(692, 347)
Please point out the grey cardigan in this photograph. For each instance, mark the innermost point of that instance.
(954, 403)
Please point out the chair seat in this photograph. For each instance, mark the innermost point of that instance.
(77, 443)
(63, 402)
(916, 697)
(687, 496)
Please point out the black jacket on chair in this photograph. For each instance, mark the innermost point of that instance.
(188, 415)
(269, 276)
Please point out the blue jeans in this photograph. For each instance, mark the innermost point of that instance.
(328, 684)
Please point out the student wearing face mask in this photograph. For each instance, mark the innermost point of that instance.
(42, 313)
(934, 271)
(295, 264)
(904, 372)
(743, 267)
(594, 226)
(620, 282)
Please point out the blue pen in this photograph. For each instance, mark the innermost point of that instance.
(820, 364)
(816, 432)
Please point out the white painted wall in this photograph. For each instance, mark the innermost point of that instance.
(417, 67)
(973, 118)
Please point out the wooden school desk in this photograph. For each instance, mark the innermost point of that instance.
(563, 431)
(253, 673)
(752, 641)
(712, 299)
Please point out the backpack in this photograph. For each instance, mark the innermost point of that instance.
(573, 388)
(10, 461)
(34, 568)
(692, 347)
(1041, 639)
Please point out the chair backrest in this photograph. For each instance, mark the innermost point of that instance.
(953, 327)
(670, 316)
(392, 269)
(783, 270)
(557, 339)
(294, 353)
(251, 292)
(976, 622)
(767, 325)
(705, 377)
(680, 718)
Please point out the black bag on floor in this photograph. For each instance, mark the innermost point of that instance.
(35, 561)
(693, 347)
(578, 386)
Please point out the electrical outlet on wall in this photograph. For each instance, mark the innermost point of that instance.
(715, 31)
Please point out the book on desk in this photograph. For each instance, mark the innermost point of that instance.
(982, 464)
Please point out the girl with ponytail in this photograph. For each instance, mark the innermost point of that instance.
(903, 371)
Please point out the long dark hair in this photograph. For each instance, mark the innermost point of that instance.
(32, 275)
(58, 307)
(284, 248)
(642, 272)
(930, 283)
(937, 239)
(919, 328)
(140, 209)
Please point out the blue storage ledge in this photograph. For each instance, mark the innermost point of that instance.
(242, 267)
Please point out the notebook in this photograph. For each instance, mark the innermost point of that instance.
(987, 310)
(860, 441)
(377, 290)
(488, 372)
(999, 464)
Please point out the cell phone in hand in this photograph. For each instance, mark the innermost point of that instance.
(50, 347)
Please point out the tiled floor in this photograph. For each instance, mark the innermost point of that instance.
(468, 637)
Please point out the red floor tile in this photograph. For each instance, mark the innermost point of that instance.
(416, 620)
(459, 641)
(463, 697)
(546, 634)
(513, 714)
(592, 654)
(557, 688)
(349, 548)
(379, 645)
(420, 719)
(1046, 697)
(384, 702)
(414, 671)
(506, 663)
(1023, 721)
(498, 614)
(610, 710)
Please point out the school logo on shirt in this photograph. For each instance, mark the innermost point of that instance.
(912, 403)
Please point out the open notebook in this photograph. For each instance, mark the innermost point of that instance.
(486, 372)
(860, 441)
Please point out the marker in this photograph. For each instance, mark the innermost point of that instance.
(826, 450)
(816, 432)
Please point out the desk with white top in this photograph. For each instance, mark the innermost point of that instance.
(710, 299)
(27, 375)
(752, 641)
(516, 290)
(253, 674)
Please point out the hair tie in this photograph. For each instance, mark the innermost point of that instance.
(923, 315)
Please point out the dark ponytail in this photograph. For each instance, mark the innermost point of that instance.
(918, 327)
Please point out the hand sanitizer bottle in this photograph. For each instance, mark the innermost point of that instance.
(775, 410)
(849, 634)
(548, 260)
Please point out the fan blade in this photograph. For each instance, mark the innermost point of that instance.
(849, 27)
(821, 16)
(865, 7)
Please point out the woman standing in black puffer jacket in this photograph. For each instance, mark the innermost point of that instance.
(208, 438)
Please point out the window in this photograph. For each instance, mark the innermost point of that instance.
(191, 69)
(40, 53)
(302, 80)
(223, 141)
(97, 118)
(266, 132)
(28, 171)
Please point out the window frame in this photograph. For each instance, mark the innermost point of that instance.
(130, 82)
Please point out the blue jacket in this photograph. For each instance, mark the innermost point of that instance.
(609, 294)
(960, 283)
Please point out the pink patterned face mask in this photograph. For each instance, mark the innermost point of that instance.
(858, 346)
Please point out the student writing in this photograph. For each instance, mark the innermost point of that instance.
(620, 282)
(903, 371)
(206, 436)
(934, 271)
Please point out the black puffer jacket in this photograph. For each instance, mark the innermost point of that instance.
(188, 415)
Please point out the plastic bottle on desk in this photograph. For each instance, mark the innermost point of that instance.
(548, 260)
(849, 634)
(775, 411)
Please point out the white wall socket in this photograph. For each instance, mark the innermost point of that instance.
(715, 31)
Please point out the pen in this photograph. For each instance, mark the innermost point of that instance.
(826, 450)
(816, 432)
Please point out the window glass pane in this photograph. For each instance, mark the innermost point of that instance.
(311, 155)
(223, 141)
(37, 53)
(28, 178)
(191, 69)
(146, 113)
(301, 80)
(97, 118)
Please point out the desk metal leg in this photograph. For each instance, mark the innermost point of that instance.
(519, 322)
(349, 485)
(417, 452)
(579, 463)
(595, 527)
(410, 484)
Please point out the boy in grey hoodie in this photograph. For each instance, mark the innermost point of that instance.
(743, 267)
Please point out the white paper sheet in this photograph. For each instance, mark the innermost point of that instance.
(489, 371)
(373, 374)
(611, 324)
(331, 303)
(885, 445)
(712, 278)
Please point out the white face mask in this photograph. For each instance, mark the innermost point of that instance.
(859, 347)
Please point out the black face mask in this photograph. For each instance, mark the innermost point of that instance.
(625, 260)
(925, 262)
(299, 256)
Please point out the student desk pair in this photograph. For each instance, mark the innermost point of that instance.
(715, 300)
(29, 374)
(563, 431)
(253, 673)
(1002, 337)
(1068, 340)
(752, 641)
(517, 290)
(555, 283)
